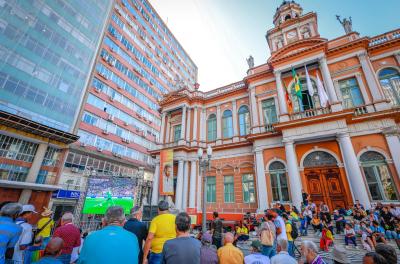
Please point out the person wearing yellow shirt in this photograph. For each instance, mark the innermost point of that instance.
(229, 254)
(162, 229)
(45, 225)
(316, 224)
(288, 226)
(242, 232)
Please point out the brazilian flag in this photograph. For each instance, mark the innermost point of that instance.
(297, 88)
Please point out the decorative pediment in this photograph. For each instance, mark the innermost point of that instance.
(172, 96)
(297, 47)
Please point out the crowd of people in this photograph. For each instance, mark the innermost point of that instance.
(168, 239)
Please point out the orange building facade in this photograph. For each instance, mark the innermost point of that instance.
(267, 148)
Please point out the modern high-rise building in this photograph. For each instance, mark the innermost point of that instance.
(139, 61)
(47, 51)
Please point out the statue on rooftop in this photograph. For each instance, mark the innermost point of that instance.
(346, 23)
(250, 62)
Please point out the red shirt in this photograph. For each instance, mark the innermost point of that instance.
(71, 236)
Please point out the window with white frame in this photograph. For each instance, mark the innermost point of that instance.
(351, 93)
(244, 120)
(378, 177)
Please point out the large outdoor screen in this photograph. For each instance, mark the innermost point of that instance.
(105, 192)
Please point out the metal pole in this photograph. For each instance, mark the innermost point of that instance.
(203, 207)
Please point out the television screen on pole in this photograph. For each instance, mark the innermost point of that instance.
(104, 192)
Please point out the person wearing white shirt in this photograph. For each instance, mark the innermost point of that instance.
(280, 227)
(283, 255)
(26, 236)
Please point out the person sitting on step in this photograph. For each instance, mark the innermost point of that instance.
(350, 235)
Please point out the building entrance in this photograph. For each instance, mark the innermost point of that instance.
(324, 181)
(325, 184)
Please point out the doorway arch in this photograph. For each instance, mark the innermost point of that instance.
(324, 180)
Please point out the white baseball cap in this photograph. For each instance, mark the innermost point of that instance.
(28, 208)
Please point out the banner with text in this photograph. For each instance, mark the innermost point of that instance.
(166, 172)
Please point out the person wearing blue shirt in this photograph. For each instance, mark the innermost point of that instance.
(9, 231)
(112, 244)
(378, 233)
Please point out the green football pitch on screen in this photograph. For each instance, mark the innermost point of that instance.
(99, 205)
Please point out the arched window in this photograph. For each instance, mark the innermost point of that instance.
(390, 82)
(377, 174)
(227, 127)
(244, 120)
(319, 159)
(307, 101)
(279, 183)
(212, 128)
(287, 17)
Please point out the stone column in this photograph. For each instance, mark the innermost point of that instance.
(330, 88)
(397, 56)
(281, 98)
(179, 186)
(37, 163)
(372, 82)
(192, 193)
(203, 125)
(33, 172)
(253, 111)
(162, 132)
(188, 125)
(156, 183)
(219, 124)
(185, 186)
(168, 129)
(353, 170)
(262, 197)
(195, 124)
(235, 120)
(183, 124)
(293, 173)
(393, 141)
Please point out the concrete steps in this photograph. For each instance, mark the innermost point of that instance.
(355, 255)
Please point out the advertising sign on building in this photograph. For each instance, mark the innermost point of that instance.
(66, 194)
(166, 172)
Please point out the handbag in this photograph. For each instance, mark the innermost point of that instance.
(267, 237)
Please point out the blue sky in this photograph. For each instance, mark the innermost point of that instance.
(220, 34)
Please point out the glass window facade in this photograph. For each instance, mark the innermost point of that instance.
(269, 111)
(279, 183)
(244, 120)
(229, 194)
(212, 128)
(390, 82)
(82, 162)
(211, 185)
(46, 51)
(17, 149)
(227, 126)
(379, 180)
(249, 194)
(351, 93)
(177, 133)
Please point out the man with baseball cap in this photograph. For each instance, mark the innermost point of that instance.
(26, 236)
(256, 256)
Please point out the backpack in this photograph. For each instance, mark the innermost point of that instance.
(295, 232)
(267, 237)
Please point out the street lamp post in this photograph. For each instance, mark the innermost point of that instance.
(204, 166)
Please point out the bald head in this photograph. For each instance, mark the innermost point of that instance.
(229, 238)
(54, 246)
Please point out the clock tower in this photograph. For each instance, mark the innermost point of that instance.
(291, 26)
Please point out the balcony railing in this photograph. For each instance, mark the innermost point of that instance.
(310, 113)
(361, 110)
(384, 38)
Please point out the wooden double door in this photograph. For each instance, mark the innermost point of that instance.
(325, 184)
